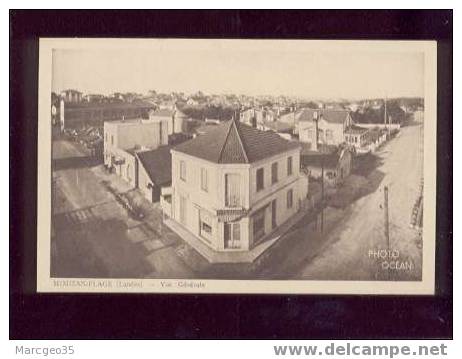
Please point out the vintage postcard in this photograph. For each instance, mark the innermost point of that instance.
(236, 166)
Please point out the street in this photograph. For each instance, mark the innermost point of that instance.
(355, 241)
(95, 236)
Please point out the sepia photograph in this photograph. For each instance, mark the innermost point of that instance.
(236, 166)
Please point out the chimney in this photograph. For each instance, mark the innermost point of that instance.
(314, 143)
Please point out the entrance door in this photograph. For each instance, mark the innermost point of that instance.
(273, 214)
(232, 235)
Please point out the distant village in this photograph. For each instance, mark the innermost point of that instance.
(229, 173)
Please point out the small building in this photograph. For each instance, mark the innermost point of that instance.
(327, 125)
(175, 119)
(358, 137)
(234, 186)
(253, 117)
(123, 138)
(94, 97)
(154, 171)
(71, 96)
(336, 165)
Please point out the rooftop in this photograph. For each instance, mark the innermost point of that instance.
(330, 115)
(235, 142)
(355, 130)
(158, 164)
(318, 159)
(107, 105)
(327, 156)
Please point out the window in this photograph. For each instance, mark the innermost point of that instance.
(232, 190)
(112, 140)
(274, 173)
(161, 141)
(260, 179)
(204, 180)
(290, 198)
(183, 170)
(232, 235)
(289, 166)
(258, 225)
(205, 226)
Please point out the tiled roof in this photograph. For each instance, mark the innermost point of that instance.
(355, 130)
(158, 164)
(333, 116)
(235, 142)
(317, 159)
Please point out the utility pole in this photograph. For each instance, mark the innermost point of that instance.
(387, 234)
(386, 224)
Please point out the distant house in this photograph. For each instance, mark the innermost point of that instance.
(359, 138)
(94, 97)
(192, 102)
(328, 126)
(336, 165)
(234, 186)
(71, 96)
(253, 117)
(174, 119)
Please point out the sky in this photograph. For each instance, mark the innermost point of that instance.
(293, 68)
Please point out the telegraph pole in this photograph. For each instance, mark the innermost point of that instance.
(387, 233)
(386, 224)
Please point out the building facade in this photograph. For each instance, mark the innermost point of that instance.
(335, 166)
(84, 114)
(175, 119)
(71, 96)
(235, 185)
(123, 138)
(328, 126)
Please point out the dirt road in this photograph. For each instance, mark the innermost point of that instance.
(355, 244)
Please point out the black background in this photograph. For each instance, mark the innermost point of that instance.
(123, 316)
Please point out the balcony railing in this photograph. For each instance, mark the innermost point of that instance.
(231, 214)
